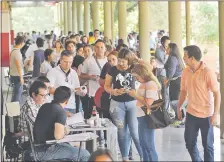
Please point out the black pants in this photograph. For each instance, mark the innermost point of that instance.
(87, 104)
(174, 89)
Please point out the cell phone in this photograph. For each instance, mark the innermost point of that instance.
(183, 114)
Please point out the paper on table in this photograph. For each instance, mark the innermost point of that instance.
(75, 138)
(74, 119)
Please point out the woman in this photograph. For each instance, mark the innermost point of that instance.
(174, 67)
(146, 94)
(84, 40)
(122, 105)
(47, 65)
(58, 48)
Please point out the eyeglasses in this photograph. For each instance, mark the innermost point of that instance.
(43, 95)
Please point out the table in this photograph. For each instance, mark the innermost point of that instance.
(111, 134)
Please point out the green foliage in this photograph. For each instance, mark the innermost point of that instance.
(27, 19)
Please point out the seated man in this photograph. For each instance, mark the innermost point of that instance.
(37, 94)
(50, 125)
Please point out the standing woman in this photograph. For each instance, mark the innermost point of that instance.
(122, 105)
(174, 67)
(57, 52)
(146, 94)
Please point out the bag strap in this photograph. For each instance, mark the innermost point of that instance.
(98, 64)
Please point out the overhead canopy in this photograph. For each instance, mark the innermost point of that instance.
(32, 3)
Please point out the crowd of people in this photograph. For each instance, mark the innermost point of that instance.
(61, 65)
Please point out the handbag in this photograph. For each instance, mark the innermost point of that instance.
(158, 117)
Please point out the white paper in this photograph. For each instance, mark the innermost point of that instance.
(74, 119)
(75, 138)
(13, 109)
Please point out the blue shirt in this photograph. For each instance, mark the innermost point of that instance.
(173, 67)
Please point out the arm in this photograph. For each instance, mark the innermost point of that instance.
(182, 98)
(101, 82)
(160, 55)
(217, 101)
(19, 69)
(171, 67)
(59, 131)
(108, 87)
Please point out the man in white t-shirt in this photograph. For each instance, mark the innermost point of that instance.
(64, 75)
(91, 71)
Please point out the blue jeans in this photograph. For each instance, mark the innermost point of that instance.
(73, 111)
(17, 89)
(192, 126)
(146, 136)
(63, 151)
(124, 117)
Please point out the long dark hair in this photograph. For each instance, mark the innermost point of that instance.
(100, 152)
(174, 51)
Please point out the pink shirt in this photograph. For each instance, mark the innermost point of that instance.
(200, 86)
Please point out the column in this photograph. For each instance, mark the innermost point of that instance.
(74, 17)
(175, 33)
(188, 23)
(107, 19)
(112, 21)
(62, 17)
(86, 18)
(65, 18)
(221, 63)
(5, 33)
(96, 14)
(11, 27)
(69, 12)
(122, 23)
(58, 12)
(80, 15)
(144, 26)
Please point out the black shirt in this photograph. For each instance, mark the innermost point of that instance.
(105, 70)
(48, 115)
(122, 79)
(77, 60)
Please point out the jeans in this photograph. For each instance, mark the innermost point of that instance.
(17, 89)
(73, 111)
(146, 136)
(164, 91)
(63, 151)
(124, 117)
(192, 126)
(87, 104)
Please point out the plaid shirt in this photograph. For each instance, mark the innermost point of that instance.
(29, 109)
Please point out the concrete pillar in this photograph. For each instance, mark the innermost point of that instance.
(86, 18)
(80, 15)
(74, 17)
(5, 33)
(62, 17)
(112, 21)
(221, 63)
(107, 19)
(188, 23)
(96, 14)
(12, 35)
(175, 33)
(58, 12)
(65, 18)
(144, 26)
(122, 23)
(69, 12)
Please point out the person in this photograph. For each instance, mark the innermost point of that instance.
(84, 40)
(153, 64)
(146, 94)
(37, 95)
(200, 84)
(57, 51)
(91, 71)
(79, 57)
(16, 71)
(161, 58)
(48, 64)
(52, 127)
(122, 105)
(64, 75)
(101, 155)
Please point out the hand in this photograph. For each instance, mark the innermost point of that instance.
(132, 93)
(213, 120)
(68, 114)
(94, 77)
(21, 81)
(67, 130)
(179, 114)
(80, 92)
(118, 92)
(166, 82)
(148, 111)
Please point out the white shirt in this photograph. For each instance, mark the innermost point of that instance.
(45, 67)
(58, 78)
(90, 67)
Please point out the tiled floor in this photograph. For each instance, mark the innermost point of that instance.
(170, 145)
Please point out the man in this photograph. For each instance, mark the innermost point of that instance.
(200, 84)
(50, 125)
(16, 71)
(37, 95)
(64, 75)
(96, 34)
(70, 46)
(161, 58)
(91, 71)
